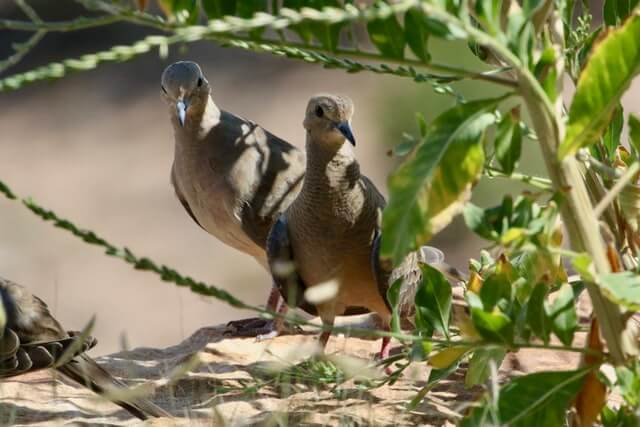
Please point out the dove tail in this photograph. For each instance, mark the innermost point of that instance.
(85, 371)
(412, 275)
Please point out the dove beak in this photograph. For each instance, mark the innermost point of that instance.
(181, 108)
(345, 130)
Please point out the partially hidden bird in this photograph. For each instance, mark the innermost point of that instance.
(32, 339)
(331, 232)
(231, 176)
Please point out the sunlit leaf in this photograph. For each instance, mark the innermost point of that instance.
(449, 356)
(615, 61)
(622, 288)
(428, 188)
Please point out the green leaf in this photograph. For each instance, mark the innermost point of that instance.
(448, 356)
(433, 301)
(539, 399)
(247, 8)
(387, 34)
(488, 13)
(508, 144)
(537, 317)
(475, 219)
(479, 368)
(216, 9)
(183, 11)
(494, 326)
(428, 188)
(328, 35)
(616, 11)
(622, 288)
(563, 316)
(615, 61)
(393, 296)
(416, 34)
(495, 288)
(611, 138)
(634, 131)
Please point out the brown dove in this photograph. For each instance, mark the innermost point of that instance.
(32, 339)
(232, 177)
(329, 236)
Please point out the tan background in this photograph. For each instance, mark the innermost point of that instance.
(97, 147)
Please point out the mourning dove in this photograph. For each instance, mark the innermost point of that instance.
(232, 177)
(32, 339)
(329, 236)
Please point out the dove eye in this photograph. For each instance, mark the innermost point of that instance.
(199, 81)
(319, 111)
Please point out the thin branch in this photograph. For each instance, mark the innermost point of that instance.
(583, 156)
(28, 10)
(536, 181)
(276, 47)
(616, 189)
(21, 49)
(80, 23)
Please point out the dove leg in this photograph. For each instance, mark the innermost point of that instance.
(327, 314)
(386, 341)
(276, 326)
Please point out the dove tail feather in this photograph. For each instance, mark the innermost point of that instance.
(85, 371)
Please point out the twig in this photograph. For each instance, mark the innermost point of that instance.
(536, 181)
(28, 10)
(80, 23)
(21, 49)
(584, 156)
(616, 189)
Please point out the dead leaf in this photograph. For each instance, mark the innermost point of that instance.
(593, 394)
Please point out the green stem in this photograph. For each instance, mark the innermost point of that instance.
(80, 23)
(21, 50)
(536, 181)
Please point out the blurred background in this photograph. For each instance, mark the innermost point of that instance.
(97, 147)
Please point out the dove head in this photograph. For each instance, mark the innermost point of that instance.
(328, 119)
(185, 89)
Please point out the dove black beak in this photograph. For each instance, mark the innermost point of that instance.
(345, 130)
(181, 109)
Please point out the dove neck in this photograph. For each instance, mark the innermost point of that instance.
(201, 118)
(330, 167)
